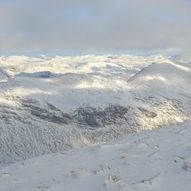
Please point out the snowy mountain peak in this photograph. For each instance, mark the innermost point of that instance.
(52, 104)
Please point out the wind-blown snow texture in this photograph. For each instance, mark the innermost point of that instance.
(52, 104)
(158, 160)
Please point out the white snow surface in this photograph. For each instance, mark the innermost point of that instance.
(151, 160)
(51, 107)
(52, 104)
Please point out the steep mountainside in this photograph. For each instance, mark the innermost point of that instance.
(151, 160)
(52, 104)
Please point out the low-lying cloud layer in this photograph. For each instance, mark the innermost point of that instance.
(94, 25)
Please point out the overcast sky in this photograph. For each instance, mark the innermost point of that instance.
(94, 24)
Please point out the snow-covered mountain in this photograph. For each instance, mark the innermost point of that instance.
(150, 160)
(52, 104)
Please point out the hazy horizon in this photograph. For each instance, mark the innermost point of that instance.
(31, 25)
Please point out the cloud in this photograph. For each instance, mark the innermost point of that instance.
(94, 25)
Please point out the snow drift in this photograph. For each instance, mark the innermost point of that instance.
(150, 160)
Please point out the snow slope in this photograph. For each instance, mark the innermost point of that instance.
(49, 105)
(151, 160)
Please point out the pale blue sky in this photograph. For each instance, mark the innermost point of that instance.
(94, 24)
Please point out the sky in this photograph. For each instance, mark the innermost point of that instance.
(94, 24)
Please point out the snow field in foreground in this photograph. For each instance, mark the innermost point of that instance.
(152, 160)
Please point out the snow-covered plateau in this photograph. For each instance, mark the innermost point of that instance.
(95, 123)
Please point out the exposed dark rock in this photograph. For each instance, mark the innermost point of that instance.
(49, 113)
(89, 116)
(147, 113)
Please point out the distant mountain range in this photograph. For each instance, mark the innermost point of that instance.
(52, 104)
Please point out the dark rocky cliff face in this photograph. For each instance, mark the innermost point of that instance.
(85, 117)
